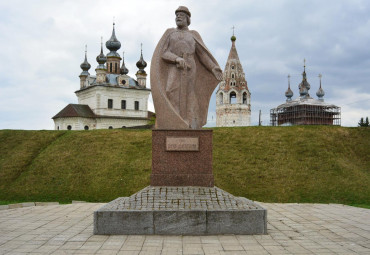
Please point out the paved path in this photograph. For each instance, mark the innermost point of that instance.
(293, 229)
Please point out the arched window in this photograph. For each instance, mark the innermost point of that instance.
(86, 127)
(232, 67)
(58, 128)
(110, 127)
(221, 98)
(245, 98)
(232, 97)
(232, 76)
(115, 67)
(231, 83)
(69, 127)
(110, 68)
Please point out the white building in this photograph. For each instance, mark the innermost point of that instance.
(111, 99)
(233, 106)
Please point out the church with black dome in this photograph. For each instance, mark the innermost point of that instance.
(109, 99)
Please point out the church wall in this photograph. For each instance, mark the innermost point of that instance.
(105, 123)
(97, 98)
(231, 115)
(76, 123)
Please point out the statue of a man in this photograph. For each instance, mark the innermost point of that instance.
(183, 76)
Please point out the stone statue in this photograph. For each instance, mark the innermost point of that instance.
(183, 76)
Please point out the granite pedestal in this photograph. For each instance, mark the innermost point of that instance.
(182, 199)
(182, 158)
(189, 210)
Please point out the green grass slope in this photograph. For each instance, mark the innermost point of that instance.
(272, 164)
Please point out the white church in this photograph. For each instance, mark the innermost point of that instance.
(111, 98)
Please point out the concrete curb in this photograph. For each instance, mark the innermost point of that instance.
(29, 204)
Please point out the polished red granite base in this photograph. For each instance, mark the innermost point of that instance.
(177, 160)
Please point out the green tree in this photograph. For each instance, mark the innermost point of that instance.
(363, 123)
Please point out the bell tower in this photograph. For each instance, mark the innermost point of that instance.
(233, 106)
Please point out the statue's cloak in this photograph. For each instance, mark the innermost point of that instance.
(205, 83)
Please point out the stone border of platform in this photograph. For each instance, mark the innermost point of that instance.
(26, 204)
(29, 204)
(180, 211)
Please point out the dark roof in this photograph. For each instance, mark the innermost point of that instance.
(76, 110)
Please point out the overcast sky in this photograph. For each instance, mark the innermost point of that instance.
(42, 45)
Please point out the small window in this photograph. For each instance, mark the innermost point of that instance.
(58, 128)
(232, 97)
(110, 103)
(123, 126)
(136, 105)
(123, 104)
(69, 127)
(86, 127)
(221, 98)
(233, 76)
(110, 127)
(123, 82)
(110, 68)
(232, 67)
(115, 67)
(245, 98)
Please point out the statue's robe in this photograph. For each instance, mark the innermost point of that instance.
(164, 75)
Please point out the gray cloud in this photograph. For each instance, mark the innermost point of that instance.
(42, 45)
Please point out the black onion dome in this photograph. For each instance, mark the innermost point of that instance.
(141, 64)
(123, 69)
(85, 66)
(101, 58)
(304, 86)
(113, 44)
(320, 93)
(289, 93)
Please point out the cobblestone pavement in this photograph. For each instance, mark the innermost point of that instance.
(292, 228)
(181, 198)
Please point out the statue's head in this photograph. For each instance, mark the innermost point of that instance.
(182, 16)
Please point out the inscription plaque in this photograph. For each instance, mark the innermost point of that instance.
(182, 143)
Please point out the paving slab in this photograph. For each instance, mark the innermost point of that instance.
(292, 229)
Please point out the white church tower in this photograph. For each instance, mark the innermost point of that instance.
(233, 106)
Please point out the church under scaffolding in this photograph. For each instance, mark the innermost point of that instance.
(305, 110)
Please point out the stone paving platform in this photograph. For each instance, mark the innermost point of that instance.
(180, 211)
(292, 229)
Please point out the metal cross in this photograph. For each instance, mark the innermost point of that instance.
(233, 28)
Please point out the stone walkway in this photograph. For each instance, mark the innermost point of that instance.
(292, 228)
